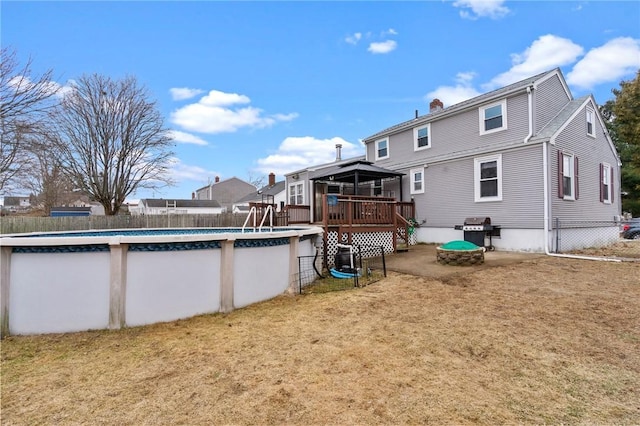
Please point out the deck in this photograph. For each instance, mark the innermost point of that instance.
(351, 214)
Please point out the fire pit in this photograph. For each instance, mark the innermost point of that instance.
(460, 253)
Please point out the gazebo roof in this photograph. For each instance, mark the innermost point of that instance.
(358, 171)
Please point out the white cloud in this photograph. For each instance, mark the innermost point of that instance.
(184, 137)
(353, 39)
(182, 93)
(607, 63)
(547, 52)
(218, 98)
(295, 153)
(450, 95)
(382, 47)
(214, 113)
(493, 9)
(180, 172)
(390, 31)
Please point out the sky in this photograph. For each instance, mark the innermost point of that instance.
(250, 88)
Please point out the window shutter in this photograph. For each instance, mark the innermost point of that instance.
(560, 175)
(601, 183)
(577, 174)
(611, 184)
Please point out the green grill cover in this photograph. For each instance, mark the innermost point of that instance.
(459, 245)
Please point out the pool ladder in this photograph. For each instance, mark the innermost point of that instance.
(254, 213)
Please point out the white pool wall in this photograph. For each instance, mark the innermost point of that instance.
(132, 280)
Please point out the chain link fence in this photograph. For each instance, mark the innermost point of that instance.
(319, 275)
(594, 238)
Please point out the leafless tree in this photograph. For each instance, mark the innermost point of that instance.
(43, 173)
(112, 139)
(23, 101)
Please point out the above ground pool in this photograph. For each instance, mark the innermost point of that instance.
(74, 281)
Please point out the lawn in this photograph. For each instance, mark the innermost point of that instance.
(547, 340)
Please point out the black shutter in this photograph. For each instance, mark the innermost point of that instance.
(560, 176)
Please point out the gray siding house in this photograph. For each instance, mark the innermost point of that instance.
(225, 192)
(526, 155)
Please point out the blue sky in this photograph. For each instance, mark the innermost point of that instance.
(250, 88)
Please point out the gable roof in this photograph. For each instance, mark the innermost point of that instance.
(469, 103)
(551, 130)
(272, 190)
(225, 181)
(558, 122)
(160, 202)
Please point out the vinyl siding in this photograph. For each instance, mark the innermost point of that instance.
(454, 134)
(549, 98)
(590, 152)
(449, 192)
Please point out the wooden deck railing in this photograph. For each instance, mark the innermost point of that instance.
(357, 210)
(293, 214)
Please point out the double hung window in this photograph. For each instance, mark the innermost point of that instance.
(421, 137)
(493, 117)
(296, 194)
(382, 149)
(488, 178)
(568, 188)
(417, 181)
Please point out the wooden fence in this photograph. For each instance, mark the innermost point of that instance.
(18, 224)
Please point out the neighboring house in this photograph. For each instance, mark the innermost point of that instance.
(272, 193)
(523, 155)
(17, 202)
(226, 192)
(152, 206)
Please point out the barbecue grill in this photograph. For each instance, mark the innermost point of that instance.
(476, 229)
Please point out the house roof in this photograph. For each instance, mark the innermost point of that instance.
(160, 202)
(325, 165)
(267, 190)
(212, 184)
(355, 171)
(557, 122)
(486, 97)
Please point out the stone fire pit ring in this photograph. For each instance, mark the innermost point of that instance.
(460, 253)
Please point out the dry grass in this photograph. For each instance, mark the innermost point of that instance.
(545, 341)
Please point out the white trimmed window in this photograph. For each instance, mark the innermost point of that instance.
(417, 181)
(296, 194)
(606, 183)
(382, 149)
(422, 137)
(567, 176)
(493, 117)
(590, 123)
(488, 178)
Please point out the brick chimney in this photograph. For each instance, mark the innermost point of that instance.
(272, 179)
(436, 105)
(217, 179)
(193, 195)
(338, 152)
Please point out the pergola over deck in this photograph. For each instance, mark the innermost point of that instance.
(356, 172)
(349, 214)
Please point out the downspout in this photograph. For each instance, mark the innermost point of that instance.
(545, 227)
(530, 100)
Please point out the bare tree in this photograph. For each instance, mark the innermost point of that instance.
(23, 100)
(44, 174)
(112, 140)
